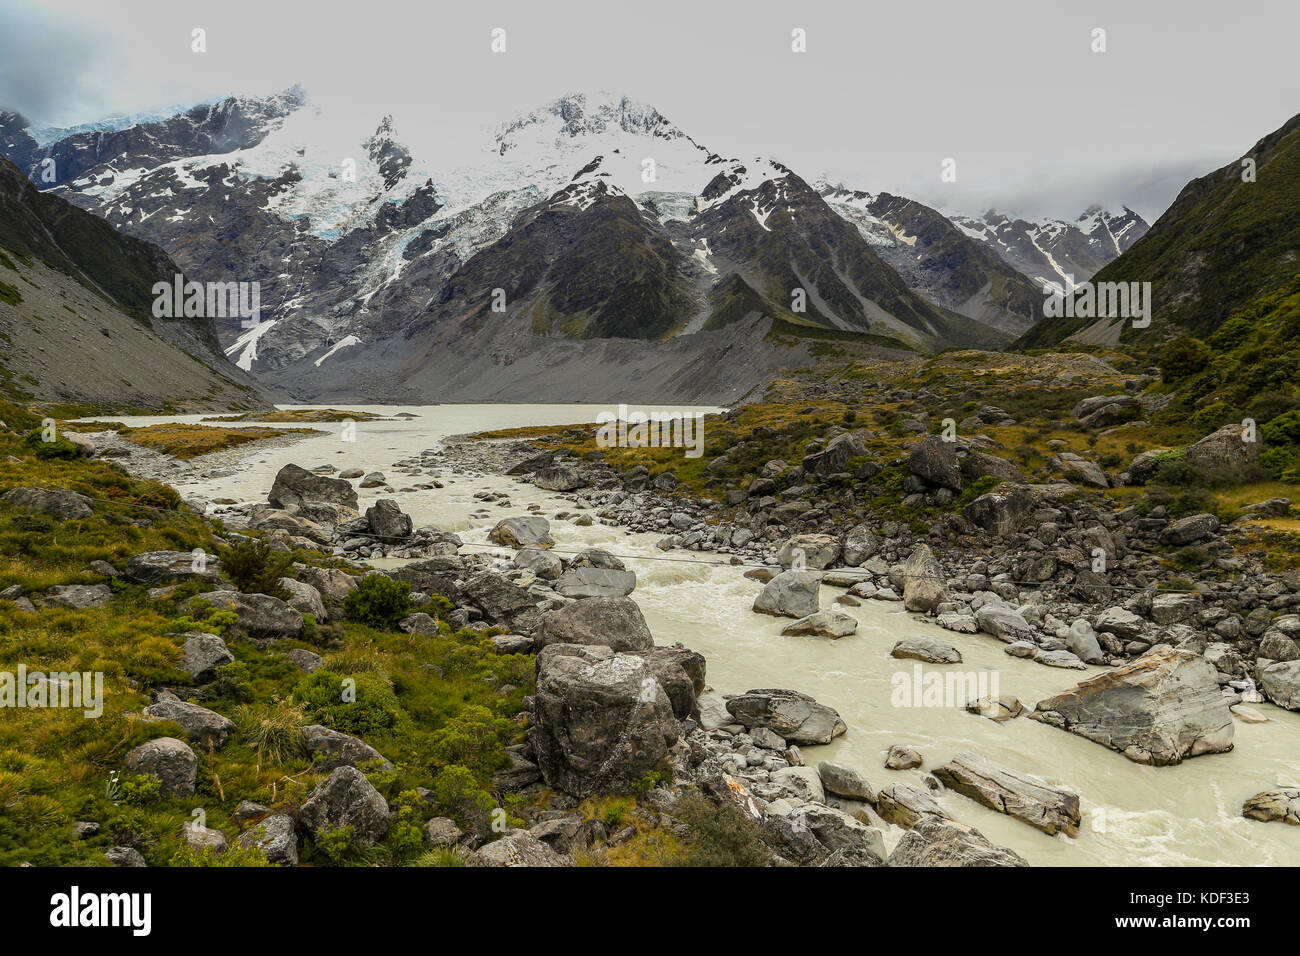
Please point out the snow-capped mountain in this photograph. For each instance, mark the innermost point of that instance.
(938, 259)
(594, 216)
(1053, 251)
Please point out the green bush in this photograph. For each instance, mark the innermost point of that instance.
(373, 711)
(1182, 358)
(379, 601)
(1282, 430)
(719, 834)
(59, 449)
(255, 568)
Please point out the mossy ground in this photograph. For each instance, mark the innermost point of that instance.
(442, 708)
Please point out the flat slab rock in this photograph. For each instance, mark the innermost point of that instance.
(1008, 791)
(795, 716)
(1160, 709)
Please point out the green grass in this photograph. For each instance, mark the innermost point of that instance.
(442, 708)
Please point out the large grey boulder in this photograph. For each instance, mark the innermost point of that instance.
(545, 565)
(202, 654)
(304, 598)
(205, 727)
(923, 581)
(903, 805)
(1003, 509)
(1050, 809)
(838, 831)
(170, 760)
(845, 782)
(388, 521)
(262, 619)
(333, 749)
(277, 519)
(1005, 623)
(860, 544)
(502, 601)
(832, 624)
(790, 594)
(516, 848)
(1224, 450)
(332, 584)
(835, 456)
(294, 486)
(1190, 529)
(529, 531)
(977, 465)
(1121, 622)
(61, 503)
(1159, 709)
(589, 582)
(1078, 469)
(797, 717)
(935, 841)
(819, 551)
(276, 837)
(1280, 683)
(935, 460)
(558, 478)
(615, 622)
(601, 719)
(163, 567)
(346, 799)
(931, 650)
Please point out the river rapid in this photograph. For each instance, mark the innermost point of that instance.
(1132, 814)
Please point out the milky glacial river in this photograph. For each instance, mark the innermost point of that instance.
(1133, 814)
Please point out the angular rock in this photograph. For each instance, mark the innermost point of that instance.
(262, 619)
(170, 760)
(530, 531)
(923, 581)
(294, 486)
(588, 582)
(1159, 709)
(346, 799)
(832, 624)
(204, 727)
(820, 551)
(202, 654)
(615, 622)
(795, 716)
(1050, 809)
(844, 781)
(276, 837)
(60, 503)
(935, 460)
(928, 649)
(601, 719)
(790, 594)
(163, 567)
(934, 841)
(1278, 805)
(333, 749)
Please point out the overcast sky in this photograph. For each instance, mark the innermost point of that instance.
(1037, 122)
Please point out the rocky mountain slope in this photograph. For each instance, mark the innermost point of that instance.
(940, 260)
(76, 315)
(1224, 242)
